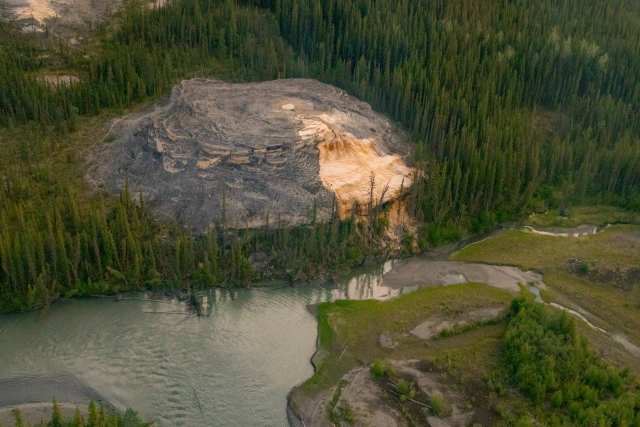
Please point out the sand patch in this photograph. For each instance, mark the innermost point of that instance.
(435, 326)
(424, 272)
(36, 9)
(368, 402)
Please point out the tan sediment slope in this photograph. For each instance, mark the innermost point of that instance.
(36, 9)
(358, 173)
(67, 11)
(252, 154)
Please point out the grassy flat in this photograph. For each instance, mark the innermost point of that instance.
(579, 215)
(607, 304)
(617, 247)
(349, 331)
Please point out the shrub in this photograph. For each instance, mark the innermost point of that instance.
(379, 369)
(546, 359)
(406, 390)
(583, 268)
(440, 406)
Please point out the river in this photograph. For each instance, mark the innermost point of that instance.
(231, 368)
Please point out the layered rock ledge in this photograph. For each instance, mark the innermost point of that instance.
(246, 155)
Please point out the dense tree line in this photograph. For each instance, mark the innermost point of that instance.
(516, 104)
(515, 101)
(550, 363)
(56, 242)
(512, 107)
(143, 58)
(75, 248)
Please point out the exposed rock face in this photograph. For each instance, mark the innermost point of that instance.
(38, 15)
(64, 18)
(248, 154)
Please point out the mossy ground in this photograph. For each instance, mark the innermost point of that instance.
(349, 335)
(611, 305)
(579, 215)
(617, 247)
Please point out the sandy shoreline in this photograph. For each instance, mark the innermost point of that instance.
(34, 413)
(33, 396)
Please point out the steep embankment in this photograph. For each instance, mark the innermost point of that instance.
(353, 168)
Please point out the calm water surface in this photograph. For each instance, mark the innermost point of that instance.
(233, 368)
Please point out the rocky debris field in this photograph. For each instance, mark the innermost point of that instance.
(245, 155)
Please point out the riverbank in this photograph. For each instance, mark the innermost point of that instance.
(183, 368)
(33, 397)
(67, 414)
(352, 334)
(37, 413)
(163, 350)
(269, 275)
(44, 388)
(543, 259)
(233, 367)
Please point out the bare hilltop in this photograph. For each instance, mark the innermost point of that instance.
(283, 151)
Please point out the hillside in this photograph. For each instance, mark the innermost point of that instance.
(204, 188)
(511, 109)
(287, 151)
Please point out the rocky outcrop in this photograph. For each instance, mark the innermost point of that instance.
(246, 155)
